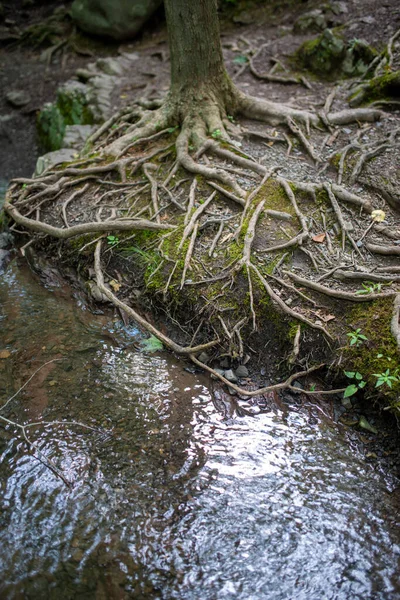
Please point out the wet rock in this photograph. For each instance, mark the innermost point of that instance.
(312, 21)
(232, 391)
(54, 158)
(119, 20)
(242, 371)
(225, 363)
(230, 376)
(18, 98)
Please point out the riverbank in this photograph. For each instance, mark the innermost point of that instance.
(243, 277)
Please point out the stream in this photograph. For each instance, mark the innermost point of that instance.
(167, 499)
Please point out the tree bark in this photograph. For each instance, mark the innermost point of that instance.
(198, 73)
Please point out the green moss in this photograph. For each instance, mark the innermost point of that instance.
(70, 108)
(51, 127)
(385, 87)
(380, 351)
(330, 56)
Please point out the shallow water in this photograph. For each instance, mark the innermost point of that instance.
(168, 500)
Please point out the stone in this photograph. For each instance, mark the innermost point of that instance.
(18, 98)
(64, 155)
(312, 21)
(329, 56)
(242, 371)
(120, 20)
(4, 256)
(6, 240)
(230, 376)
(346, 402)
(76, 135)
(204, 357)
(323, 55)
(110, 66)
(219, 371)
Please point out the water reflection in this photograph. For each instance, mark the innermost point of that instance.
(170, 501)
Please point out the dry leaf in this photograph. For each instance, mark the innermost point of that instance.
(327, 318)
(5, 354)
(320, 238)
(115, 285)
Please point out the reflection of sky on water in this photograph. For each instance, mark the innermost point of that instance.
(172, 501)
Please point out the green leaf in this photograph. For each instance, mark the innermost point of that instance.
(359, 376)
(362, 384)
(362, 337)
(152, 344)
(380, 382)
(241, 59)
(379, 355)
(350, 374)
(350, 390)
(353, 341)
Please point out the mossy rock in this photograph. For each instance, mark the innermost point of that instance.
(329, 56)
(70, 108)
(384, 87)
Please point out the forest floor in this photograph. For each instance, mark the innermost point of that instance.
(277, 265)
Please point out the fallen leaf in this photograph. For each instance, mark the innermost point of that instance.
(5, 354)
(320, 238)
(327, 318)
(115, 285)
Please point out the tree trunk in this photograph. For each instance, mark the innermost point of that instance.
(198, 75)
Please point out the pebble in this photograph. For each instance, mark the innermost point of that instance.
(242, 371)
(18, 98)
(230, 376)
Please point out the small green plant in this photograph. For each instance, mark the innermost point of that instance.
(231, 118)
(356, 338)
(151, 344)
(241, 59)
(312, 387)
(112, 240)
(358, 383)
(387, 378)
(369, 288)
(216, 134)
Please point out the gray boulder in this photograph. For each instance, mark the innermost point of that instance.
(119, 20)
(64, 155)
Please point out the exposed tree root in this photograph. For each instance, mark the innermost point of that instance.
(223, 238)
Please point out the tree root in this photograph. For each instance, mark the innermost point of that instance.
(395, 324)
(81, 229)
(138, 318)
(340, 294)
